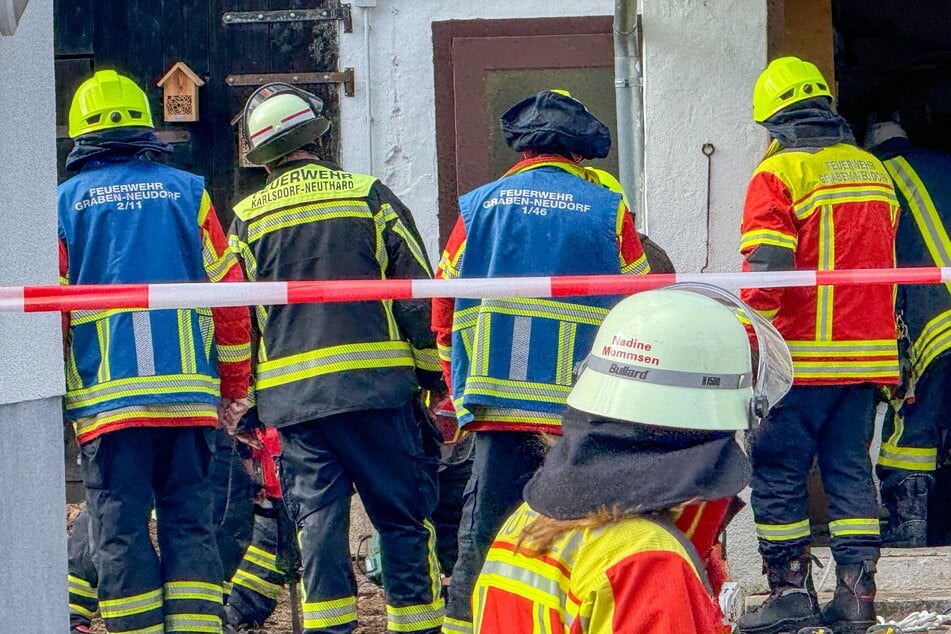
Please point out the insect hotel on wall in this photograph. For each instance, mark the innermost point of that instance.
(180, 93)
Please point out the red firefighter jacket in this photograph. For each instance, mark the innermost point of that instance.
(630, 576)
(825, 209)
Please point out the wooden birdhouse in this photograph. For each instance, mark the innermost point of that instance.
(180, 93)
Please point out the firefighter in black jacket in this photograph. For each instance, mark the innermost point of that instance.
(340, 381)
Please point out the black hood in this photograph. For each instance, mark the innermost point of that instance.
(555, 124)
(117, 143)
(606, 463)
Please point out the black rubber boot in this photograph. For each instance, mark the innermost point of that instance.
(852, 609)
(791, 604)
(907, 504)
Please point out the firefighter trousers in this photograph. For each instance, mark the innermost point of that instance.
(503, 463)
(82, 578)
(910, 436)
(263, 572)
(833, 424)
(380, 453)
(123, 472)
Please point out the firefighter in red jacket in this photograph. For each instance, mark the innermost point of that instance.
(509, 361)
(819, 202)
(619, 524)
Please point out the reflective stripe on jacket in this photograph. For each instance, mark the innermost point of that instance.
(921, 180)
(634, 575)
(133, 221)
(518, 354)
(825, 209)
(314, 221)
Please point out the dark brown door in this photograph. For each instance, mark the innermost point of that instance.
(484, 66)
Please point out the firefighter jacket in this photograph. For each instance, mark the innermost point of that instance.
(633, 575)
(128, 220)
(314, 221)
(823, 209)
(512, 359)
(921, 180)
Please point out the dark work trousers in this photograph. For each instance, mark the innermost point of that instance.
(234, 493)
(82, 576)
(835, 424)
(123, 472)
(503, 463)
(262, 574)
(910, 437)
(448, 513)
(380, 453)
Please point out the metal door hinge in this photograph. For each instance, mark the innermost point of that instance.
(344, 77)
(341, 13)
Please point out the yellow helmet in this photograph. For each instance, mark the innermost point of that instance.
(108, 100)
(786, 81)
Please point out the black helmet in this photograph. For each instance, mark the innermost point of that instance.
(553, 121)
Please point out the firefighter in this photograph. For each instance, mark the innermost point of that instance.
(818, 202)
(510, 361)
(908, 459)
(619, 520)
(146, 389)
(339, 380)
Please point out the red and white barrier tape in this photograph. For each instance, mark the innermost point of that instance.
(31, 299)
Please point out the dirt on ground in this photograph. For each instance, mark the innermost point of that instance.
(370, 603)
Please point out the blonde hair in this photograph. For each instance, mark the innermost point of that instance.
(542, 532)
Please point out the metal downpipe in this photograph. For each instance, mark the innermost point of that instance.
(628, 82)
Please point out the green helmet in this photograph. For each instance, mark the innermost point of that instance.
(279, 119)
(680, 357)
(106, 101)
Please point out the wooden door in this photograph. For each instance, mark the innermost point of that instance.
(484, 66)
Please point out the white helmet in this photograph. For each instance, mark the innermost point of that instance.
(279, 119)
(680, 357)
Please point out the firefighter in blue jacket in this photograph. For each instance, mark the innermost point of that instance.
(909, 452)
(146, 389)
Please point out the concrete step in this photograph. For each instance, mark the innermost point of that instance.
(901, 571)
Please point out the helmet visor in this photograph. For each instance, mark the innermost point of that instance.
(774, 367)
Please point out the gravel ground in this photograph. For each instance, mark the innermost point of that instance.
(370, 602)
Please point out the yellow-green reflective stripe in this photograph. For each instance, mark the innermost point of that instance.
(757, 237)
(151, 629)
(419, 254)
(216, 267)
(262, 558)
(934, 339)
(382, 257)
(257, 229)
(854, 526)
(78, 317)
(228, 353)
(139, 385)
(565, 354)
(844, 195)
(127, 606)
(193, 623)
(922, 208)
(168, 411)
(242, 250)
(640, 266)
(504, 388)
(186, 339)
(75, 608)
(393, 329)
(256, 584)
(329, 613)
(80, 587)
(194, 590)
(445, 352)
(826, 263)
(102, 332)
(908, 458)
(783, 532)
(544, 308)
(516, 415)
(455, 626)
(427, 359)
(356, 356)
(521, 581)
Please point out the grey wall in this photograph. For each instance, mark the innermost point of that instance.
(32, 510)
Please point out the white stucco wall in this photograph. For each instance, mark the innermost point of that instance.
(701, 60)
(32, 514)
(30, 345)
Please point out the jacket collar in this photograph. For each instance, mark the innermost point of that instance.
(290, 166)
(547, 160)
